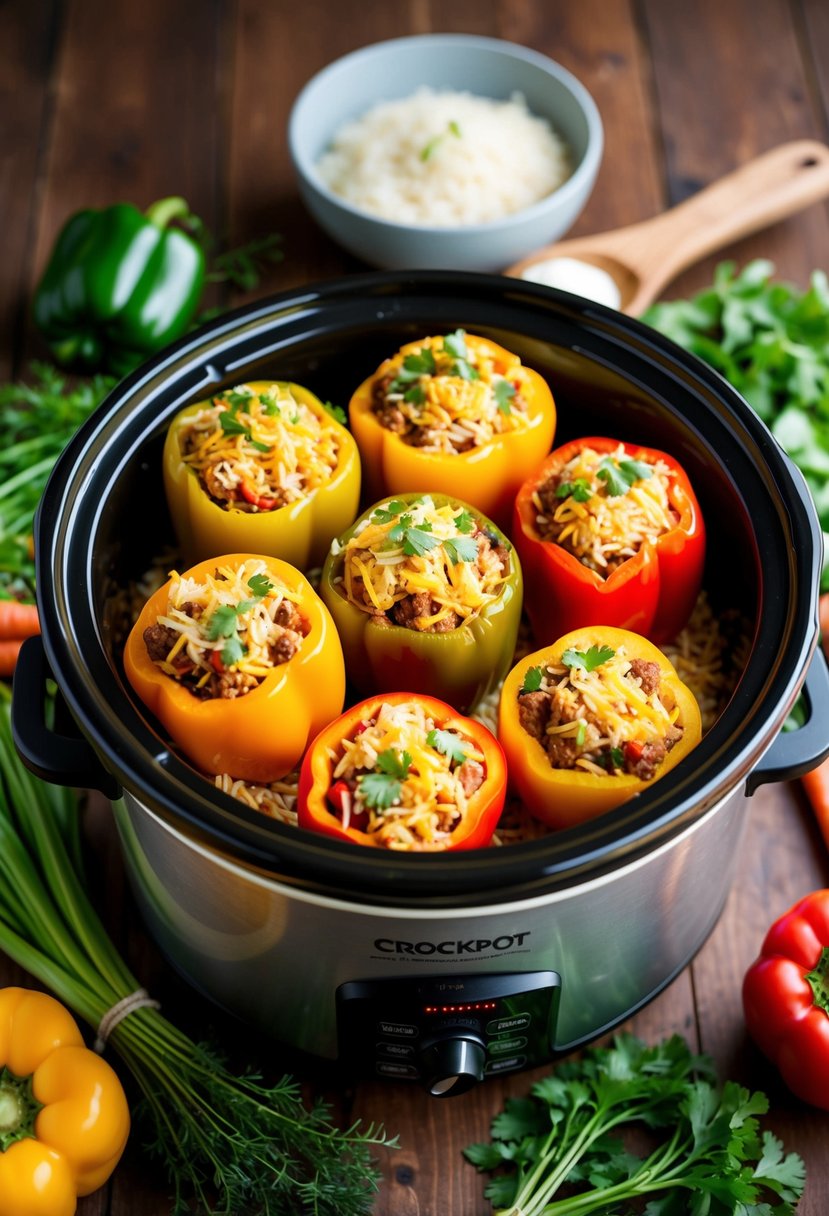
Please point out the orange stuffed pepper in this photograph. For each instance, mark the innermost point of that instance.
(239, 660)
(455, 415)
(591, 721)
(405, 773)
(609, 534)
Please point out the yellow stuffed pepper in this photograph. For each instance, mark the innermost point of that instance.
(239, 660)
(261, 468)
(591, 721)
(64, 1119)
(455, 415)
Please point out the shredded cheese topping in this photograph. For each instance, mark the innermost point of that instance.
(446, 395)
(423, 778)
(603, 714)
(426, 565)
(222, 634)
(277, 800)
(259, 450)
(577, 510)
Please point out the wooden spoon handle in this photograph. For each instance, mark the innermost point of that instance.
(757, 194)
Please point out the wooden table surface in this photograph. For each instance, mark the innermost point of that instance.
(107, 100)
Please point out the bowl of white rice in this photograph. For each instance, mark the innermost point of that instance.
(445, 151)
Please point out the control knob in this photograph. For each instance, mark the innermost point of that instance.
(452, 1063)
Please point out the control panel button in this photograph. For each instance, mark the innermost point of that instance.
(399, 1051)
(505, 1064)
(512, 1045)
(391, 1068)
(402, 1030)
(518, 1021)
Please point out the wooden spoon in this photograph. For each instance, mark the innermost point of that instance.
(643, 257)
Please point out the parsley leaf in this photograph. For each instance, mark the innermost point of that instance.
(336, 411)
(588, 659)
(418, 541)
(381, 789)
(398, 532)
(504, 392)
(532, 679)
(270, 405)
(620, 475)
(260, 585)
(391, 510)
(237, 398)
(617, 757)
(395, 763)
(416, 395)
(231, 425)
(709, 1142)
(222, 623)
(233, 650)
(465, 522)
(461, 549)
(455, 344)
(580, 490)
(448, 744)
(420, 363)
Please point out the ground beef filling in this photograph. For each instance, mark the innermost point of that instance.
(539, 710)
(221, 682)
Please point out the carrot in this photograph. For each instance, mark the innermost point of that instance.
(824, 622)
(9, 650)
(17, 621)
(816, 785)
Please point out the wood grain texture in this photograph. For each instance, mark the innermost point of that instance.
(133, 101)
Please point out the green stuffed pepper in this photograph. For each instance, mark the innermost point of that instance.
(120, 284)
(426, 596)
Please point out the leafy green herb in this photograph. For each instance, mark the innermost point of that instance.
(243, 267)
(416, 395)
(617, 758)
(448, 744)
(504, 393)
(580, 490)
(397, 533)
(226, 1143)
(260, 585)
(233, 650)
(336, 411)
(705, 1155)
(384, 515)
(581, 731)
(589, 659)
(236, 399)
(419, 540)
(382, 789)
(428, 150)
(454, 345)
(465, 522)
(222, 623)
(270, 406)
(419, 363)
(771, 341)
(461, 549)
(231, 425)
(532, 679)
(620, 475)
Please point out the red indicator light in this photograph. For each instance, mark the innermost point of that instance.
(471, 1007)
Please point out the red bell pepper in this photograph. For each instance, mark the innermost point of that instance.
(320, 799)
(651, 593)
(786, 998)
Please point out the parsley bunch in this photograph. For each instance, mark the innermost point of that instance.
(417, 538)
(771, 341)
(707, 1155)
(224, 621)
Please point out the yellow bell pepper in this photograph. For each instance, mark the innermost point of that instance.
(298, 533)
(563, 797)
(64, 1119)
(260, 736)
(487, 476)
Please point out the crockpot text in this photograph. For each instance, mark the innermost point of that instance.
(471, 946)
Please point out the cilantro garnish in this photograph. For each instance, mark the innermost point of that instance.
(620, 475)
(336, 411)
(617, 757)
(454, 345)
(579, 489)
(448, 744)
(235, 398)
(418, 541)
(465, 522)
(705, 1152)
(581, 731)
(270, 406)
(428, 150)
(461, 549)
(532, 679)
(420, 363)
(588, 659)
(233, 650)
(504, 392)
(260, 585)
(384, 515)
(416, 395)
(222, 623)
(381, 789)
(231, 425)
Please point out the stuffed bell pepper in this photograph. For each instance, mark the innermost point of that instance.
(453, 415)
(609, 534)
(239, 660)
(591, 721)
(426, 595)
(261, 468)
(405, 773)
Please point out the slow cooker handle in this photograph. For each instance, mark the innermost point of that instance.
(60, 759)
(795, 752)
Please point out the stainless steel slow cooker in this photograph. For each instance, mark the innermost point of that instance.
(443, 968)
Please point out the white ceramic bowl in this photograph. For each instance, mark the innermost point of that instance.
(385, 71)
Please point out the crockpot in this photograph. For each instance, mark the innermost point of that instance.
(444, 968)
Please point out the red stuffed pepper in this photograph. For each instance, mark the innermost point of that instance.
(609, 533)
(405, 773)
(786, 998)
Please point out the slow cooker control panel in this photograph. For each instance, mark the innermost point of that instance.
(448, 1033)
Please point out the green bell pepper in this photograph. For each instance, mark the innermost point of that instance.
(120, 284)
(460, 666)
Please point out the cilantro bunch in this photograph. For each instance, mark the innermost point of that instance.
(417, 538)
(771, 342)
(706, 1154)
